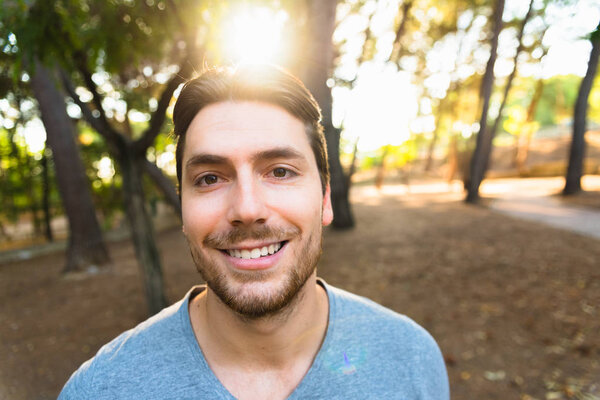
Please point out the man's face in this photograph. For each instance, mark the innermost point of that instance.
(252, 203)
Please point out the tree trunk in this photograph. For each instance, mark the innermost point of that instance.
(165, 185)
(142, 230)
(577, 152)
(46, 197)
(441, 109)
(86, 246)
(513, 74)
(317, 69)
(479, 160)
(352, 168)
(452, 159)
(522, 149)
(397, 46)
(431, 148)
(381, 168)
(24, 169)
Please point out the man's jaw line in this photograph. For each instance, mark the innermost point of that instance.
(268, 323)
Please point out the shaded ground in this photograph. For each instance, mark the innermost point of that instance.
(514, 305)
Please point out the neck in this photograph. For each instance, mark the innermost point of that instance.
(274, 341)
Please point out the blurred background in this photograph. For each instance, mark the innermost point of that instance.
(464, 145)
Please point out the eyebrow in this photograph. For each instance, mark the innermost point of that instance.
(270, 154)
(204, 158)
(278, 152)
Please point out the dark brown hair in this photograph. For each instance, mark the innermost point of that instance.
(262, 83)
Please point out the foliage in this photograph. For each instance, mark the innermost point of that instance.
(558, 98)
(516, 123)
(395, 156)
(21, 177)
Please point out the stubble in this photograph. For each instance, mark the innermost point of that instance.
(245, 291)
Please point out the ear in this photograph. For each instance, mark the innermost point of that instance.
(327, 210)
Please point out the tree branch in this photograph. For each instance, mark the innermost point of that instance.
(164, 184)
(99, 124)
(396, 48)
(80, 61)
(159, 115)
(103, 129)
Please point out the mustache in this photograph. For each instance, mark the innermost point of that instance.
(227, 239)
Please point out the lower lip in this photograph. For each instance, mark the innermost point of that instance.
(255, 264)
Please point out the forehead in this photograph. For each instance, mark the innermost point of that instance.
(238, 128)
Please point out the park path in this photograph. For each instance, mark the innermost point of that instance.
(537, 199)
(534, 199)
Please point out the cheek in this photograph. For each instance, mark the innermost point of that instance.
(298, 206)
(200, 217)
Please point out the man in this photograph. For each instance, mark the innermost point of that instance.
(254, 186)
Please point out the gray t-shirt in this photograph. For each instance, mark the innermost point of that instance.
(369, 352)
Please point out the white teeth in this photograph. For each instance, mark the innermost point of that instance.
(255, 253)
(273, 248)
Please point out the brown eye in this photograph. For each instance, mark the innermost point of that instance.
(209, 180)
(279, 172)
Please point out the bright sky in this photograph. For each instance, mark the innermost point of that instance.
(382, 107)
(569, 49)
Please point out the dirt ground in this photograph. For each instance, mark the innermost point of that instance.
(514, 305)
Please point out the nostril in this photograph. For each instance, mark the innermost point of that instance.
(237, 222)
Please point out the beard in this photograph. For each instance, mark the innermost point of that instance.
(262, 293)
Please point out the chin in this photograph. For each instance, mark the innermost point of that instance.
(261, 297)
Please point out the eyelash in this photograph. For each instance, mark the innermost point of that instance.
(201, 181)
(288, 173)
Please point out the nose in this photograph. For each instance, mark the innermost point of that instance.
(247, 203)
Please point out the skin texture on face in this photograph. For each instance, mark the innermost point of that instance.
(251, 188)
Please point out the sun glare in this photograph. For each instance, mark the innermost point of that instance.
(379, 109)
(254, 35)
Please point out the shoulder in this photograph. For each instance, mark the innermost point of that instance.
(374, 332)
(121, 361)
(371, 316)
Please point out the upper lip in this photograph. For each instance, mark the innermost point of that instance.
(250, 246)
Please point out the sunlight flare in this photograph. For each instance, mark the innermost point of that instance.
(254, 35)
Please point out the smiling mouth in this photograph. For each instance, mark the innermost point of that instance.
(258, 252)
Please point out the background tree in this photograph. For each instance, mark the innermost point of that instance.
(86, 246)
(513, 74)
(577, 150)
(525, 132)
(318, 69)
(479, 161)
